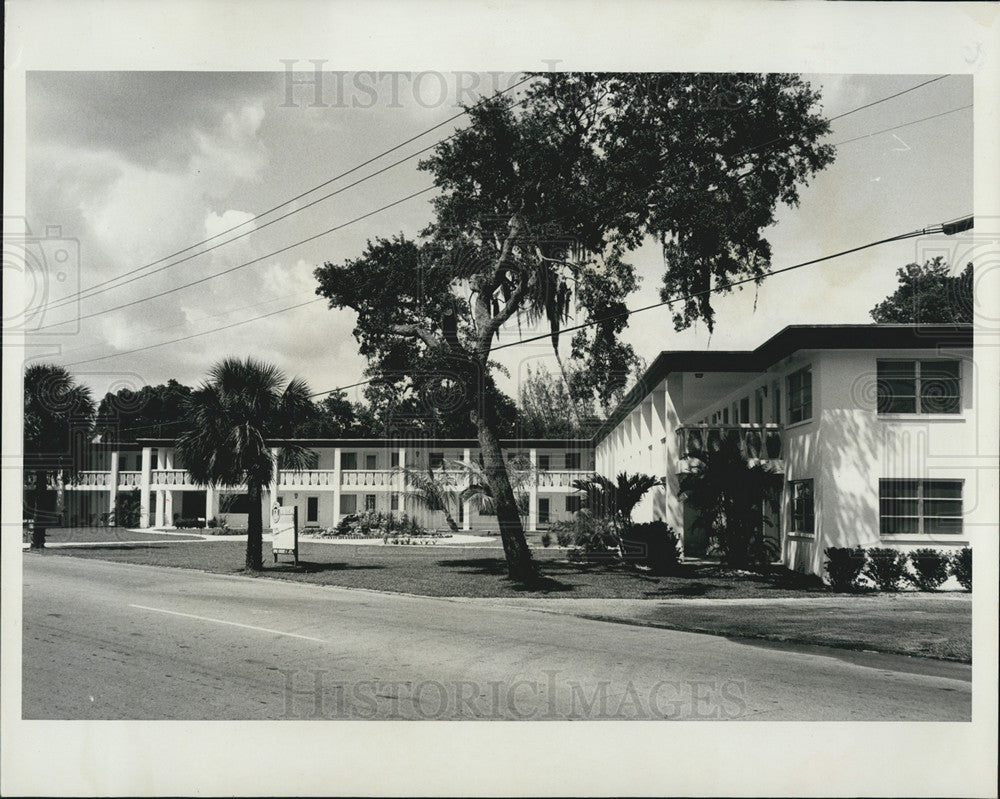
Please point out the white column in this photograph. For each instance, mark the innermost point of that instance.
(467, 506)
(336, 486)
(402, 480)
(113, 485)
(168, 496)
(210, 500)
(160, 499)
(272, 489)
(533, 490)
(147, 460)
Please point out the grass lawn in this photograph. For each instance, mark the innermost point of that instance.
(915, 624)
(920, 625)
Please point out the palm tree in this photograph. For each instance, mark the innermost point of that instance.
(616, 500)
(730, 496)
(478, 492)
(435, 489)
(231, 418)
(56, 410)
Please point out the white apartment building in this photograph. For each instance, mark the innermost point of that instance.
(876, 434)
(348, 476)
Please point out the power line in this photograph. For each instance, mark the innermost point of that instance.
(411, 196)
(196, 335)
(682, 298)
(81, 292)
(903, 125)
(239, 266)
(884, 99)
(99, 288)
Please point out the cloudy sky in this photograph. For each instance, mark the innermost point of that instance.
(136, 166)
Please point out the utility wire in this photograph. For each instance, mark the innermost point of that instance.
(682, 298)
(103, 287)
(238, 266)
(81, 292)
(357, 219)
(197, 335)
(903, 125)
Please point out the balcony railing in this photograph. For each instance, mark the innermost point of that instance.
(130, 479)
(756, 441)
(171, 477)
(561, 479)
(307, 477)
(368, 478)
(160, 479)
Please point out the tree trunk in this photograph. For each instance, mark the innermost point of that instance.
(255, 530)
(520, 565)
(40, 510)
(450, 519)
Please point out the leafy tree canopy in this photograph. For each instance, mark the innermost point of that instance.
(542, 197)
(928, 294)
(150, 412)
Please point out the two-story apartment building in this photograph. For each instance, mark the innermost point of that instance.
(346, 476)
(876, 435)
(873, 432)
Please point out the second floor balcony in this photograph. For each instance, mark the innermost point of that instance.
(758, 443)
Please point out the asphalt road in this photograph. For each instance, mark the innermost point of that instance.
(117, 641)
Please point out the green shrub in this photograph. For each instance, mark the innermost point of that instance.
(127, 508)
(886, 568)
(843, 566)
(961, 567)
(564, 535)
(930, 568)
(546, 540)
(187, 523)
(655, 544)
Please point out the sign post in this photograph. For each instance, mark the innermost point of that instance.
(285, 532)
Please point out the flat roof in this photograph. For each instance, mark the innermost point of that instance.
(789, 340)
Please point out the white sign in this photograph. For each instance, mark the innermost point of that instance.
(284, 529)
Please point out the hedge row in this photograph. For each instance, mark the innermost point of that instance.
(888, 568)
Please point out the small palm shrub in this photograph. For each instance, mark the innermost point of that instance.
(961, 567)
(843, 566)
(546, 540)
(886, 568)
(930, 568)
(655, 544)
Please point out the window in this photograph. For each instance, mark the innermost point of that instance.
(312, 509)
(803, 520)
(543, 510)
(369, 502)
(725, 415)
(745, 410)
(371, 462)
(758, 405)
(543, 463)
(349, 461)
(348, 504)
(573, 503)
(394, 460)
(920, 507)
(572, 460)
(776, 403)
(800, 396)
(394, 502)
(919, 386)
(436, 460)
